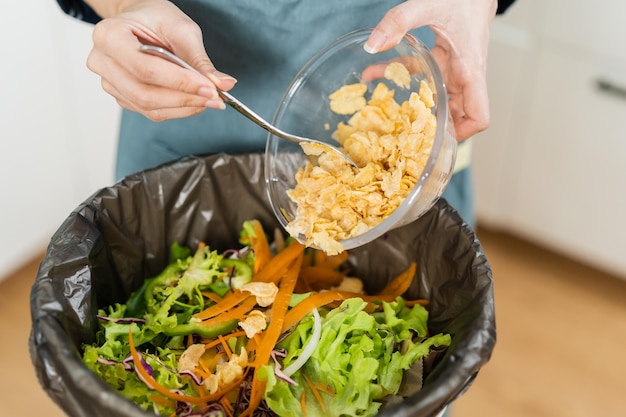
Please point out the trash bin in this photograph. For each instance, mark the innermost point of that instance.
(121, 235)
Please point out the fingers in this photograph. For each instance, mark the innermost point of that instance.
(191, 50)
(397, 22)
(461, 45)
(468, 99)
(151, 85)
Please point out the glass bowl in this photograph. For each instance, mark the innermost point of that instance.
(304, 110)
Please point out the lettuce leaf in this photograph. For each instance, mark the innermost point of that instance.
(357, 361)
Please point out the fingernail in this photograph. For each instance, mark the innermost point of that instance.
(376, 41)
(215, 104)
(220, 76)
(208, 92)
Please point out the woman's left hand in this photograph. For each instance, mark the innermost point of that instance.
(462, 31)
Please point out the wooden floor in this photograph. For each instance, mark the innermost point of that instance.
(561, 348)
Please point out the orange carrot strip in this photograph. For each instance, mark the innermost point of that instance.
(307, 305)
(162, 401)
(273, 331)
(319, 257)
(153, 384)
(420, 301)
(375, 298)
(401, 283)
(212, 296)
(324, 388)
(302, 286)
(204, 368)
(225, 346)
(260, 246)
(307, 260)
(279, 264)
(315, 392)
(334, 261)
(303, 403)
(228, 302)
(213, 363)
(227, 406)
(238, 313)
(321, 278)
(216, 342)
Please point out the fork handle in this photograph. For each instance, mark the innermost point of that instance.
(228, 98)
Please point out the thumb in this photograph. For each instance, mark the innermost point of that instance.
(396, 23)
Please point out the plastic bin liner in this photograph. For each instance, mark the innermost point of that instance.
(122, 234)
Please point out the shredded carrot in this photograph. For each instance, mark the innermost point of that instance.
(320, 278)
(319, 257)
(227, 406)
(326, 388)
(212, 296)
(419, 301)
(252, 346)
(398, 286)
(213, 363)
(162, 401)
(216, 342)
(225, 346)
(279, 264)
(204, 368)
(374, 298)
(228, 302)
(302, 286)
(315, 392)
(260, 247)
(307, 305)
(307, 259)
(201, 390)
(189, 340)
(238, 313)
(153, 384)
(334, 261)
(274, 330)
(303, 403)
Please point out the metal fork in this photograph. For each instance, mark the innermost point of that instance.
(245, 110)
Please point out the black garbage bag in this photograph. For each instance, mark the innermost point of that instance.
(122, 235)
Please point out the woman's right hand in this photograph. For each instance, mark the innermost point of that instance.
(150, 85)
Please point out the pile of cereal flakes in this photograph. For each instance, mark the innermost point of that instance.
(390, 142)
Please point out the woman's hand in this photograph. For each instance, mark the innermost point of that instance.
(151, 85)
(462, 30)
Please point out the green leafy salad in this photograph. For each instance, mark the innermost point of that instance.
(260, 330)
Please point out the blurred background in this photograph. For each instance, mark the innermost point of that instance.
(550, 185)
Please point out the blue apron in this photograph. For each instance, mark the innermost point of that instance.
(263, 44)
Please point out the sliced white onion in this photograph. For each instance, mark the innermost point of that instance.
(310, 346)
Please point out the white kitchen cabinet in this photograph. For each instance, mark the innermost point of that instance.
(552, 167)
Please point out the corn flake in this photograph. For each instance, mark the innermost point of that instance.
(389, 141)
(265, 292)
(227, 372)
(399, 74)
(348, 99)
(254, 323)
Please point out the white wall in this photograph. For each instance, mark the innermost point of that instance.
(57, 127)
